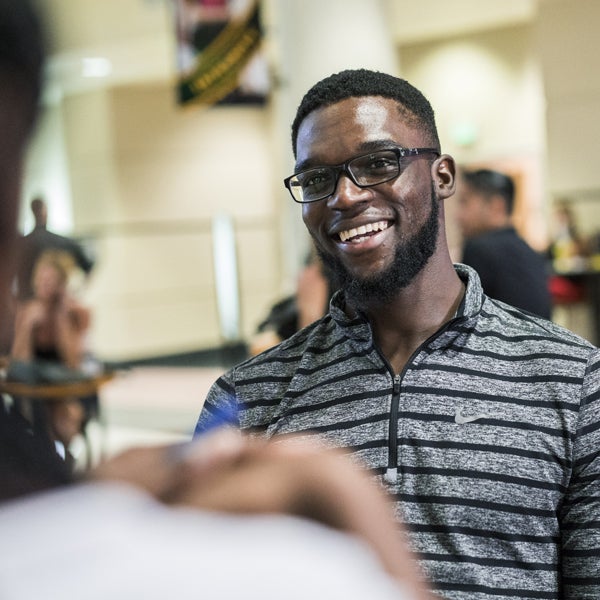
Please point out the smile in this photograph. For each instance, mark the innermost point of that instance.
(358, 234)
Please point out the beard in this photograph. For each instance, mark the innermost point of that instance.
(410, 258)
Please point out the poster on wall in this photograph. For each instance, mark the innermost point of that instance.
(219, 55)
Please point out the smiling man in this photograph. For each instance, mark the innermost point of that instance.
(482, 421)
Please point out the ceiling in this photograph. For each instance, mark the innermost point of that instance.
(422, 20)
(109, 42)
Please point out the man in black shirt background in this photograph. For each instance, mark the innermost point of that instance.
(510, 270)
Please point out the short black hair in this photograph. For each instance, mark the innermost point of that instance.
(490, 183)
(362, 82)
(22, 50)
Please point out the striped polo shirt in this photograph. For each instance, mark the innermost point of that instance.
(488, 440)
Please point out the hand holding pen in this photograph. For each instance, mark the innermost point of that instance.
(225, 471)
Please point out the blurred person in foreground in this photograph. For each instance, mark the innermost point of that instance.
(509, 269)
(152, 523)
(482, 421)
(222, 517)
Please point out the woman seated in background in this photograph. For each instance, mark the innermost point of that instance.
(49, 342)
(314, 289)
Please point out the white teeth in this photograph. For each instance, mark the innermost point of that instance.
(360, 231)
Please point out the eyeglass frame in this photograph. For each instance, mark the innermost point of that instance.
(399, 151)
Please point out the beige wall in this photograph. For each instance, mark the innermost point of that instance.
(531, 94)
(487, 91)
(568, 42)
(146, 179)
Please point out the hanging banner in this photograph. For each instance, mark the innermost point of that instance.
(219, 52)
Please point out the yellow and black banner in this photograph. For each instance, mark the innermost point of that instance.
(219, 54)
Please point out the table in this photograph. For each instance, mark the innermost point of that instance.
(38, 394)
(590, 280)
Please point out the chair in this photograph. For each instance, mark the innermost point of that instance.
(30, 400)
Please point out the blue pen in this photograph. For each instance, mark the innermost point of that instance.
(218, 417)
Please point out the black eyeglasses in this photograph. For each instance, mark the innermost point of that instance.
(365, 171)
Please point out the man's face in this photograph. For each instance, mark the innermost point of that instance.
(473, 211)
(402, 214)
(48, 282)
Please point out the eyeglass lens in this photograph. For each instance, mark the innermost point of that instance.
(367, 170)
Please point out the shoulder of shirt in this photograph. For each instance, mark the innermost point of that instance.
(294, 346)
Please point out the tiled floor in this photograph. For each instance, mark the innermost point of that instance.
(148, 405)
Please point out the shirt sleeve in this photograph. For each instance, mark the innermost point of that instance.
(580, 513)
(220, 407)
(85, 263)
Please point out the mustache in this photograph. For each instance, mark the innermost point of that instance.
(410, 257)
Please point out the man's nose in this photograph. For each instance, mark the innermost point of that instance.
(347, 193)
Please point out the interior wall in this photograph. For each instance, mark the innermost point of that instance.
(487, 92)
(347, 34)
(568, 43)
(47, 172)
(147, 178)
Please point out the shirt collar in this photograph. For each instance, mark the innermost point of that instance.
(469, 306)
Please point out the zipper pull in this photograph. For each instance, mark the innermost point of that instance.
(391, 475)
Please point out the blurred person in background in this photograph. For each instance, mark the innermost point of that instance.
(52, 325)
(568, 249)
(310, 302)
(39, 240)
(50, 343)
(509, 269)
(569, 256)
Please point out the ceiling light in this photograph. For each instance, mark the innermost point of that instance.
(96, 67)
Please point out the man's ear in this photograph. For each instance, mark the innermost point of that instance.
(443, 171)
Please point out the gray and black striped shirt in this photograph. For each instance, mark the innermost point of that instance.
(489, 439)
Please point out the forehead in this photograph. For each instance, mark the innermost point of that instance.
(47, 268)
(334, 133)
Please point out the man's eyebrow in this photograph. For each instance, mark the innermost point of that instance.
(304, 164)
(373, 145)
(364, 147)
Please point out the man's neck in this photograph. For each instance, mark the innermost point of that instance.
(415, 314)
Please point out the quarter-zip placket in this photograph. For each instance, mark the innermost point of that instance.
(391, 473)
